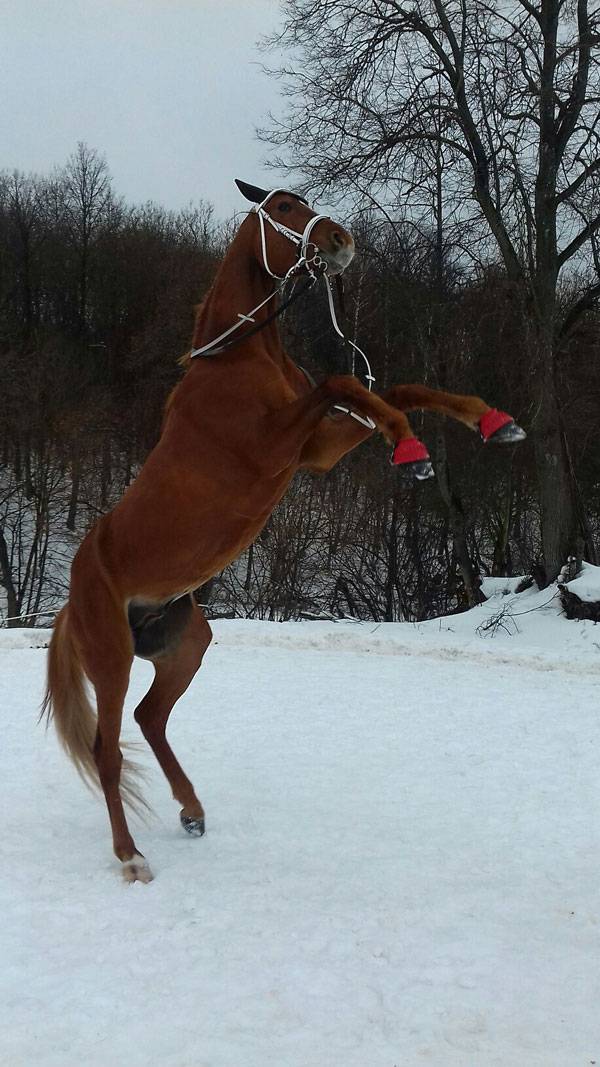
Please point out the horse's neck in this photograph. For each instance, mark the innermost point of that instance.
(239, 287)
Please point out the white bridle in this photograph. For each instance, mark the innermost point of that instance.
(301, 240)
(316, 267)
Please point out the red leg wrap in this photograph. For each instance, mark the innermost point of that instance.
(492, 421)
(409, 450)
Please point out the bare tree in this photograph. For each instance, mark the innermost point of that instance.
(87, 194)
(24, 205)
(507, 95)
(33, 558)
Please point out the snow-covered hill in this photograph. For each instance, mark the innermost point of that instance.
(401, 864)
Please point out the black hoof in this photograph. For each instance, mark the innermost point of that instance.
(194, 827)
(509, 434)
(419, 469)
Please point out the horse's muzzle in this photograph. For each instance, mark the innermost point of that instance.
(338, 261)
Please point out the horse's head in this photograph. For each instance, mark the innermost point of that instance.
(290, 233)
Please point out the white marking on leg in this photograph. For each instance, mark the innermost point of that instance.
(136, 869)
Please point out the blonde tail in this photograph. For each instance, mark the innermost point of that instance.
(67, 702)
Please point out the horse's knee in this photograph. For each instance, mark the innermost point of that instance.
(174, 673)
(151, 718)
(336, 384)
(195, 642)
(206, 636)
(142, 716)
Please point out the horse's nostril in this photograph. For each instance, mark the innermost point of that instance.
(338, 239)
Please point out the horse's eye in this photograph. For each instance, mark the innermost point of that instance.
(284, 206)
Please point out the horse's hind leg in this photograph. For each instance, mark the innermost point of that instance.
(175, 669)
(110, 696)
(106, 651)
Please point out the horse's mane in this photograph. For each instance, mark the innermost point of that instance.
(185, 360)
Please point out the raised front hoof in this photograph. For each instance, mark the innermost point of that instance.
(194, 826)
(510, 434)
(421, 470)
(498, 428)
(412, 460)
(137, 870)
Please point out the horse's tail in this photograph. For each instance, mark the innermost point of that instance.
(66, 702)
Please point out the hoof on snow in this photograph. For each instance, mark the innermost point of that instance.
(500, 429)
(137, 870)
(193, 826)
(412, 459)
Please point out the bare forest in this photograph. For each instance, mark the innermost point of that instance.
(461, 140)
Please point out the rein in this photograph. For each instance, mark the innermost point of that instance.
(316, 267)
(210, 350)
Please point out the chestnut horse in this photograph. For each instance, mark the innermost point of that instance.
(238, 426)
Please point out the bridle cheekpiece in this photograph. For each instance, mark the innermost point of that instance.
(315, 264)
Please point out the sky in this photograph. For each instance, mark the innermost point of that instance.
(170, 91)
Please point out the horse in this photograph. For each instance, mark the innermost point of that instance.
(243, 419)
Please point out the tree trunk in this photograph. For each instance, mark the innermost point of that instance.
(392, 561)
(74, 495)
(6, 580)
(456, 521)
(555, 486)
(501, 563)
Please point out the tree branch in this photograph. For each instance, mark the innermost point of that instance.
(574, 245)
(585, 303)
(576, 184)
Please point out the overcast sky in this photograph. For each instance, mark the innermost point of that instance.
(169, 90)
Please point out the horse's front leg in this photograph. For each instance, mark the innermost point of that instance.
(333, 438)
(290, 428)
(493, 425)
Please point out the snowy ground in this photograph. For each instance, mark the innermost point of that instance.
(401, 866)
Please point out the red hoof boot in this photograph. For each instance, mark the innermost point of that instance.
(500, 428)
(412, 456)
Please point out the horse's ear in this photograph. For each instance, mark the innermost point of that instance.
(252, 192)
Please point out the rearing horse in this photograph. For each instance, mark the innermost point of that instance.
(238, 426)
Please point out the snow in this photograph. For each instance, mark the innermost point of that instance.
(501, 586)
(587, 583)
(400, 868)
